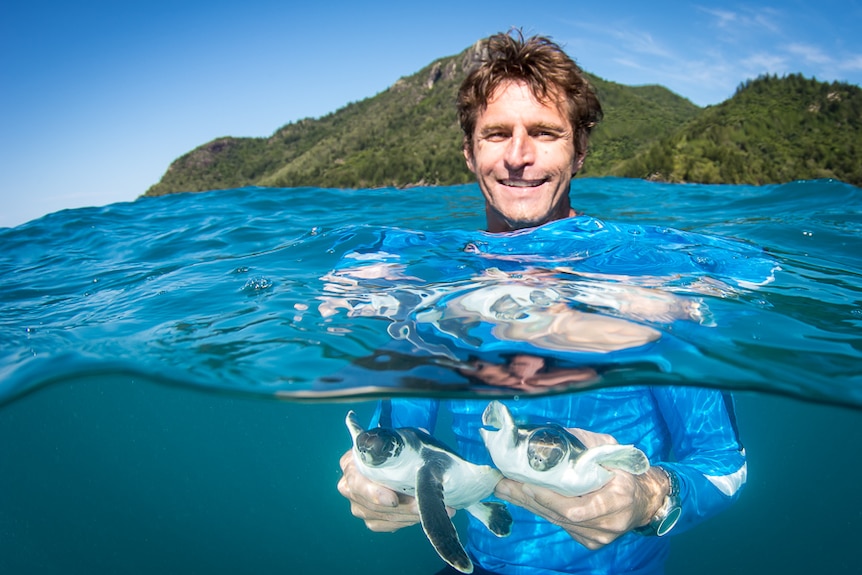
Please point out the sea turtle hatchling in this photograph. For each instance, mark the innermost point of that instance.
(410, 461)
(549, 456)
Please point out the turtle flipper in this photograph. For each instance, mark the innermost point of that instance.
(496, 415)
(353, 424)
(435, 520)
(625, 457)
(493, 515)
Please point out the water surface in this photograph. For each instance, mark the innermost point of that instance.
(147, 350)
(223, 290)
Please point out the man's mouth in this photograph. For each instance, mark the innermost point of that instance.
(523, 183)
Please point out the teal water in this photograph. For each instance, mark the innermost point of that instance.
(143, 348)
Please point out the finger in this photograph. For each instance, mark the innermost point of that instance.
(533, 499)
(590, 511)
(358, 488)
(581, 517)
(387, 521)
(381, 508)
(518, 494)
(584, 510)
(385, 526)
(557, 508)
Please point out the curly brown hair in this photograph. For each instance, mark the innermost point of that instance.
(541, 64)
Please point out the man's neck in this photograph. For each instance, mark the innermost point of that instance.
(497, 225)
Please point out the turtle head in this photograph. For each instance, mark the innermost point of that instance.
(376, 446)
(546, 447)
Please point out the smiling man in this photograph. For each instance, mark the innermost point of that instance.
(526, 113)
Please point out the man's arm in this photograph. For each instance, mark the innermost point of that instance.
(708, 456)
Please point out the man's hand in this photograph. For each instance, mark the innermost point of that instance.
(381, 508)
(598, 518)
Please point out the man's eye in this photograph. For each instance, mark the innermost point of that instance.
(546, 135)
(496, 136)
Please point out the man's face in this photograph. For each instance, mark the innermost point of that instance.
(523, 156)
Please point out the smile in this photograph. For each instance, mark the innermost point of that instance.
(523, 183)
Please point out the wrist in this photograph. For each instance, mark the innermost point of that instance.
(668, 510)
(658, 493)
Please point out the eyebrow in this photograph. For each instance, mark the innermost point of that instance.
(494, 128)
(551, 127)
(554, 127)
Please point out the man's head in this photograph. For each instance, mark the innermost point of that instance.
(526, 113)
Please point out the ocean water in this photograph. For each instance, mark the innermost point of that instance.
(174, 371)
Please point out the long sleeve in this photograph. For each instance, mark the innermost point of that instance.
(705, 450)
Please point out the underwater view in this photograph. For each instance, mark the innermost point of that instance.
(175, 371)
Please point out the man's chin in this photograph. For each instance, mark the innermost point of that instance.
(522, 223)
(520, 216)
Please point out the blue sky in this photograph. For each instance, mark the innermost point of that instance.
(97, 97)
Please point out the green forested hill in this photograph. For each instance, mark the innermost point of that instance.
(404, 136)
(771, 130)
(634, 117)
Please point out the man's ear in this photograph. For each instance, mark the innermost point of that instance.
(467, 148)
(582, 139)
(578, 162)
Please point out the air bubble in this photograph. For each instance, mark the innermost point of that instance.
(257, 284)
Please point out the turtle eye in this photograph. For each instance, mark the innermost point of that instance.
(546, 448)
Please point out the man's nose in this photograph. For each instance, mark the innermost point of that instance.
(520, 152)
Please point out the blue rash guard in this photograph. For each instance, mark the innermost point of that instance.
(688, 430)
(691, 431)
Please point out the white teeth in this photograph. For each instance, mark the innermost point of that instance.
(523, 183)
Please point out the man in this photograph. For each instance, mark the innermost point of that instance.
(527, 112)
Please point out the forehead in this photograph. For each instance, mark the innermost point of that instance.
(514, 101)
